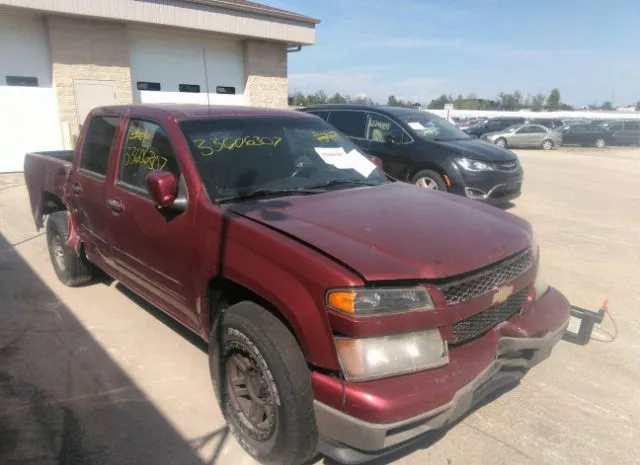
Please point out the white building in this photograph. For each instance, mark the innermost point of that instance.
(60, 58)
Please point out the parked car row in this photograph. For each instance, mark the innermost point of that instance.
(548, 133)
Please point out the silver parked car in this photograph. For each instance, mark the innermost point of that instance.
(525, 135)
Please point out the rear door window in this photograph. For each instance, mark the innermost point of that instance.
(631, 126)
(97, 144)
(350, 123)
(322, 114)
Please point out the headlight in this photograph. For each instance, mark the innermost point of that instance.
(366, 302)
(380, 357)
(474, 165)
(541, 285)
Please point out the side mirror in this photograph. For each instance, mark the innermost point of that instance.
(163, 188)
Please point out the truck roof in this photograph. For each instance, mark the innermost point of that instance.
(184, 111)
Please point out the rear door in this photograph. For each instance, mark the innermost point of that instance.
(150, 249)
(352, 124)
(88, 183)
(631, 132)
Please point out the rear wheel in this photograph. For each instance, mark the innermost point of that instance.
(547, 144)
(429, 179)
(267, 399)
(70, 268)
(600, 143)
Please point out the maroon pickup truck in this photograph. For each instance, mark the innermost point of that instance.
(346, 313)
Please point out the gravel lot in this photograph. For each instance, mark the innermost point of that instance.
(95, 376)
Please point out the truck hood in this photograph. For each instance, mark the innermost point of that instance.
(396, 231)
(478, 150)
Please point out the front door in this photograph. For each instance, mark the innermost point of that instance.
(150, 249)
(380, 130)
(88, 185)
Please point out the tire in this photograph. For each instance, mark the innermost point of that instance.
(262, 343)
(71, 269)
(600, 143)
(429, 179)
(547, 144)
(501, 142)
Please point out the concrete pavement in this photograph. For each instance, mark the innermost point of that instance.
(93, 375)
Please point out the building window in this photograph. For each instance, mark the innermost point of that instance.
(225, 90)
(194, 88)
(143, 85)
(22, 81)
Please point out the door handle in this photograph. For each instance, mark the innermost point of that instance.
(76, 188)
(115, 205)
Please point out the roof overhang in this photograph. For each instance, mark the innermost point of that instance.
(241, 19)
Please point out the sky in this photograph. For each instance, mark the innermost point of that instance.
(419, 49)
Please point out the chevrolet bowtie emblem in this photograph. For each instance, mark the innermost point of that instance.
(501, 294)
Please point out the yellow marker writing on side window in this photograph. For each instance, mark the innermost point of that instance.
(217, 145)
(136, 156)
(138, 134)
(326, 136)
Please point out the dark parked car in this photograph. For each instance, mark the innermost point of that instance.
(585, 134)
(624, 132)
(549, 123)
(493, 125)
(424, 149)
(336, 322)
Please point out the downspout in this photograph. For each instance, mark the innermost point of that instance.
(294, 49)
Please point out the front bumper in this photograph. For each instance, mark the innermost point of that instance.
(493, 187)
(351, 440)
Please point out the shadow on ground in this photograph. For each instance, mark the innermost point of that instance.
(63, 401)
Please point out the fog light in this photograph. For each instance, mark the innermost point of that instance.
(474, 193)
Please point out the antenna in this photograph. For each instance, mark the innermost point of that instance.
(206, 79)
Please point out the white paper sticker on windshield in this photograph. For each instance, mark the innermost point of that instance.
(417, 126)
(343, 160)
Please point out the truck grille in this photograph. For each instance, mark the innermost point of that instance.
(480, 323)
(482, 282)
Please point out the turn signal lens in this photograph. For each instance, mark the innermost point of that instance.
(376, 301)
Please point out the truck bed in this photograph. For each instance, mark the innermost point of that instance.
(45, 175)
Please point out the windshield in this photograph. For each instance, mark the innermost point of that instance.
(237, 157)
(431, 127)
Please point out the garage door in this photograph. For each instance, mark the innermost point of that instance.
(29, 118)
(181, 68)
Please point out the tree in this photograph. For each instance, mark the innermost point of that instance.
(298, 99)
(638, 106)
(440, 102)
(607, 106)
(537, 102)
(393, 101)
(338, 98)
(553, 101)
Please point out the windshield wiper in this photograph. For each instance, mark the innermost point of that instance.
(269, 192)
(342, 182)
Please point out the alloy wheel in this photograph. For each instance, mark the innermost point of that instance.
(427, 183)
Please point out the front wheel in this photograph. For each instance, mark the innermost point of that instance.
(429, 179)
(267, 399)
(501, 142)
(547, 144)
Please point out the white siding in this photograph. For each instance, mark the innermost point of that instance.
(180, 14)
(29, 118)
(172, 58)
